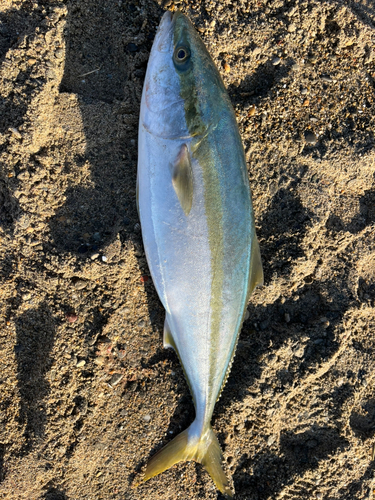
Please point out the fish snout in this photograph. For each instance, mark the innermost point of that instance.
(164, 33)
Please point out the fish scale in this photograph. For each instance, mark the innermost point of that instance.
(198, 226)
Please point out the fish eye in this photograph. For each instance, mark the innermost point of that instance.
(181, 54)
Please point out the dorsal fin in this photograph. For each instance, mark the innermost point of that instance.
(182, 179)
(256, 268)
(255, 279)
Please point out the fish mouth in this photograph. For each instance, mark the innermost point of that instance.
(167, 18)
(164, 33)
(176, 15)
(166, 29)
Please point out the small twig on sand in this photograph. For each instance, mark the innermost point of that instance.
(89, 72)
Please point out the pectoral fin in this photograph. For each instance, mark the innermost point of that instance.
(182, 179)
(256, 268)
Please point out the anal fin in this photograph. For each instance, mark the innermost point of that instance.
(167, 336)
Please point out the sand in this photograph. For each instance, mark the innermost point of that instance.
(87, 393)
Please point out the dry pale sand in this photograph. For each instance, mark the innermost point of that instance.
(87, 391)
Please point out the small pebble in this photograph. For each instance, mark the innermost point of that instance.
(271, 440)
(299, 352)
(306, 103)
(26, 296)
(247, 315)
(15, 132)
(273, 187)
(295, 67)
(291, 28)
(226, 68)
(104, 258)
(137, 227)
(121, 354)
(304, 91)
(313, 119)
(24, 222)
(116, 378)
(327, 79)
(252, 111)
(319, 495)
(81, 363)
(71, 317)
(100, 360)
(59, 53)
(310, 138)
(256, 51)
(276, 61)
(94, 256)
(50, 74)
(144, 278)
(31, 61)
(80, 285)
(147, 418)
(287, 318)
(132, 47)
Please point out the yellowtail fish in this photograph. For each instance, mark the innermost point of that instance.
(198, 227)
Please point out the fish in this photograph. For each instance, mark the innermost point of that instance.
(198, 229)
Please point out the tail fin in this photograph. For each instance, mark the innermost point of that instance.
(204, 449)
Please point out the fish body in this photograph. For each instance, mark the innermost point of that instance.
(197, 224)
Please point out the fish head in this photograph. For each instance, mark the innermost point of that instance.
(183, 88)
(162, 109)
